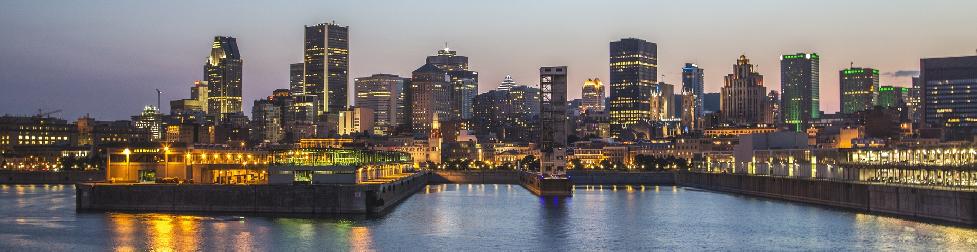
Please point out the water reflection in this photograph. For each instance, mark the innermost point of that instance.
(481, 217)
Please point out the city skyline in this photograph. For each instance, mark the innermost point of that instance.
(35, 35)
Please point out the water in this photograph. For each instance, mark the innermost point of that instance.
(481, 217)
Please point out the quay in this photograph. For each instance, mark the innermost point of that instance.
(265, 198)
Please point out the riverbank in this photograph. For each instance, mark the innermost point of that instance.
(954, 206)
(43, 177)
(285, 199)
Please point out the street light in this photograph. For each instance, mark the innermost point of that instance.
(127, 152)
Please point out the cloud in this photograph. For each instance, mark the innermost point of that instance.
(903, 73)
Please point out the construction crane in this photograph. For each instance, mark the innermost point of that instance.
(42, 114)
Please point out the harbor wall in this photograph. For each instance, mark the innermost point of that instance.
(40, 177)
(954, 206)
(291, 199)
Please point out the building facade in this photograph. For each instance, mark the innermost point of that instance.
(593, 96)
(859, 89)
(799, 89)
(949, 95)
(223, 72)
(633, 71)
(743, 98)
(384, 94)
(326, 67)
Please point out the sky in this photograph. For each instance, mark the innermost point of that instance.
(106, 58)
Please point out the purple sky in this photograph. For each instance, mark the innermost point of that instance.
(107, 57)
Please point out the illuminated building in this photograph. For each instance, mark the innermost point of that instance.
(335, 166)
(266, 122)
(430, 95)
(553, 119)
(26, 132)
(633, 71)
(384, 94)
(326, 69)
(859, 89)
(102, 133)
(593, 95)
(186, 163)
(727, 132)
(799, 89)
(150, 120)
(743, 97)
(893, 97)
(773, 112)
(194, 108)
(507, 115)
(296, 78)
(223, 75)
(355, 120)
(662, 102)
(464, 83)
(507, 83)
(691, 114)
(190, 133)
(693, 89)
(949, 95)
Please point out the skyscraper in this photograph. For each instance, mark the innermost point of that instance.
(949, 91)
(634, 70)
(382, 93)
(266, 124)
(296, 76)
(507, 83)
(859, 89)
(743, 98)
(223, 75)
(464, 84)
(430, 95)
(327, 67)
(593, 96)
(799, 89)
(693, 83)
(893, 97)
(553, 118)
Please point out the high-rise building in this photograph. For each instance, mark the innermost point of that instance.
(915, 103)
(634, 70)
(593, 96)
(799, 89)
(382, 93)
(266, 123)
(949, 95)
(151, 121)
(743, 98)
(194, 108)
(508, 116)
(693, 81)
(223, 75)
(430, 94)
(553, 119)
(773, 112)
(327, 67)
(464, 84)
(296, 76)
(859, 89)
(893, 97)
(355, 120)
(507, 83)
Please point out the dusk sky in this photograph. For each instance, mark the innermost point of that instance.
(107, 57)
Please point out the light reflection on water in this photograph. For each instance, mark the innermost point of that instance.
(480, 217)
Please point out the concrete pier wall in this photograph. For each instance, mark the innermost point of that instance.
(64, 177)
(475, 177)
(621, 178)
(294, 199)
(925, 203)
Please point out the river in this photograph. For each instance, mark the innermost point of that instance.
(476, 218)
